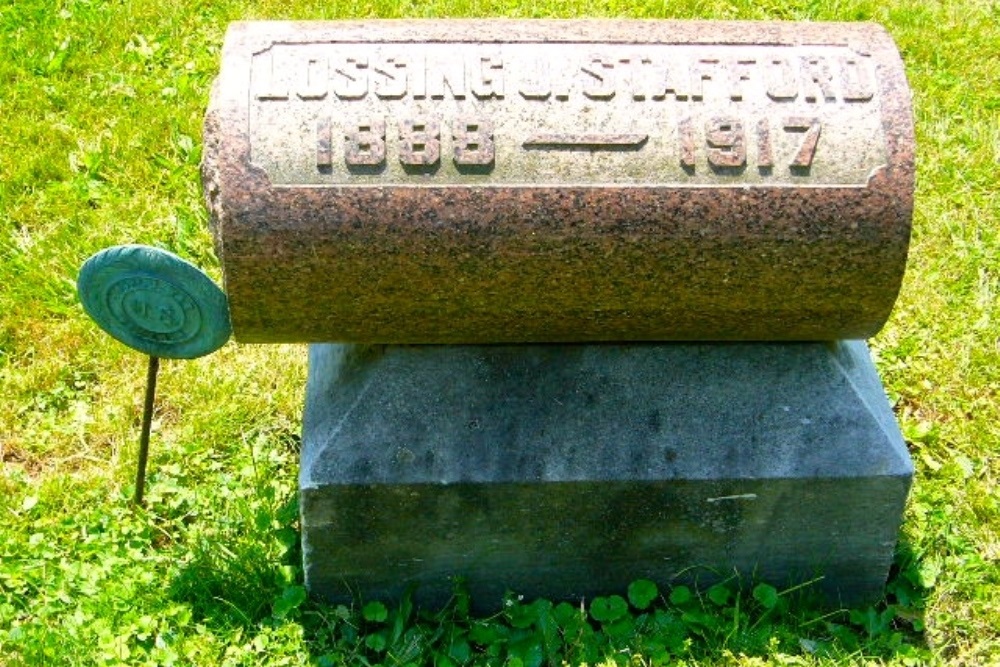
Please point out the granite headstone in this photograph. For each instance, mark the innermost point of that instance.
(602, 202)
(539, 181)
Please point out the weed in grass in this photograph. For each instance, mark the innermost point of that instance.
(646, 628)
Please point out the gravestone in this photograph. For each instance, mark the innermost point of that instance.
(610, 201)
(570, 471)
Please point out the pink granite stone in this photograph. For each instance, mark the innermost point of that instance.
(559, 181)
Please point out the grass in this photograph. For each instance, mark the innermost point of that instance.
(102, 105)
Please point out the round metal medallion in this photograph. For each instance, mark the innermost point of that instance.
(154, 302)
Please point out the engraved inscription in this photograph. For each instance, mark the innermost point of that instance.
(858, 80)
(765, 152)
(600, 83)
(153, 309)
(591, 142)
(563, 113)
(419, 141)
(473, 138)
(324, 143)
(351, 81)
(821, 78)
(810, 127)
(487, 79)
(685, 130)
(314, 77)
(352, 76)
(364, 143)
(390, 79)
(726, 142)
(781, 79)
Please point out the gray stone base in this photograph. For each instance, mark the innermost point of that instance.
(568, 471)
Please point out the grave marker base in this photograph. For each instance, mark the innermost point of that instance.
(568, 471)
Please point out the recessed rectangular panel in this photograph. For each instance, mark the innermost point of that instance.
(341, 113)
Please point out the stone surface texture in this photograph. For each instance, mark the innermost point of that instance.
(559, 181)
(569, 471)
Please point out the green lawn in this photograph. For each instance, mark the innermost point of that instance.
(101, 106)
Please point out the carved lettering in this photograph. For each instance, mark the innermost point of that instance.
(738, 73)
(726, 142)
(563, 76)
(418, 77)
(727, 114)
(535, 84)
(487, 78)
(765, 151)
(599, 84)
(638, 77)
(351, 82)
(473, 139)
(818, 79)
(781, 79)
(450, 76)
(419, 142)
(782, 75)
(858, 80)
(701, 71)
(672, 80)
(264, 80)
(315, 79)
(685, 131)
(324, 143)
(390, 79)
(364, 143)
(810, 127)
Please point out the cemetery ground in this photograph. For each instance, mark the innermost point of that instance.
(102, 104)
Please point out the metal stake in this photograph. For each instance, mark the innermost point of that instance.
(161, 287)
(147, 423)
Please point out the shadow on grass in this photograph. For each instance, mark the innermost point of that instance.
(892, 627)
(234, 578)
(228, 586)
(906, 593)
